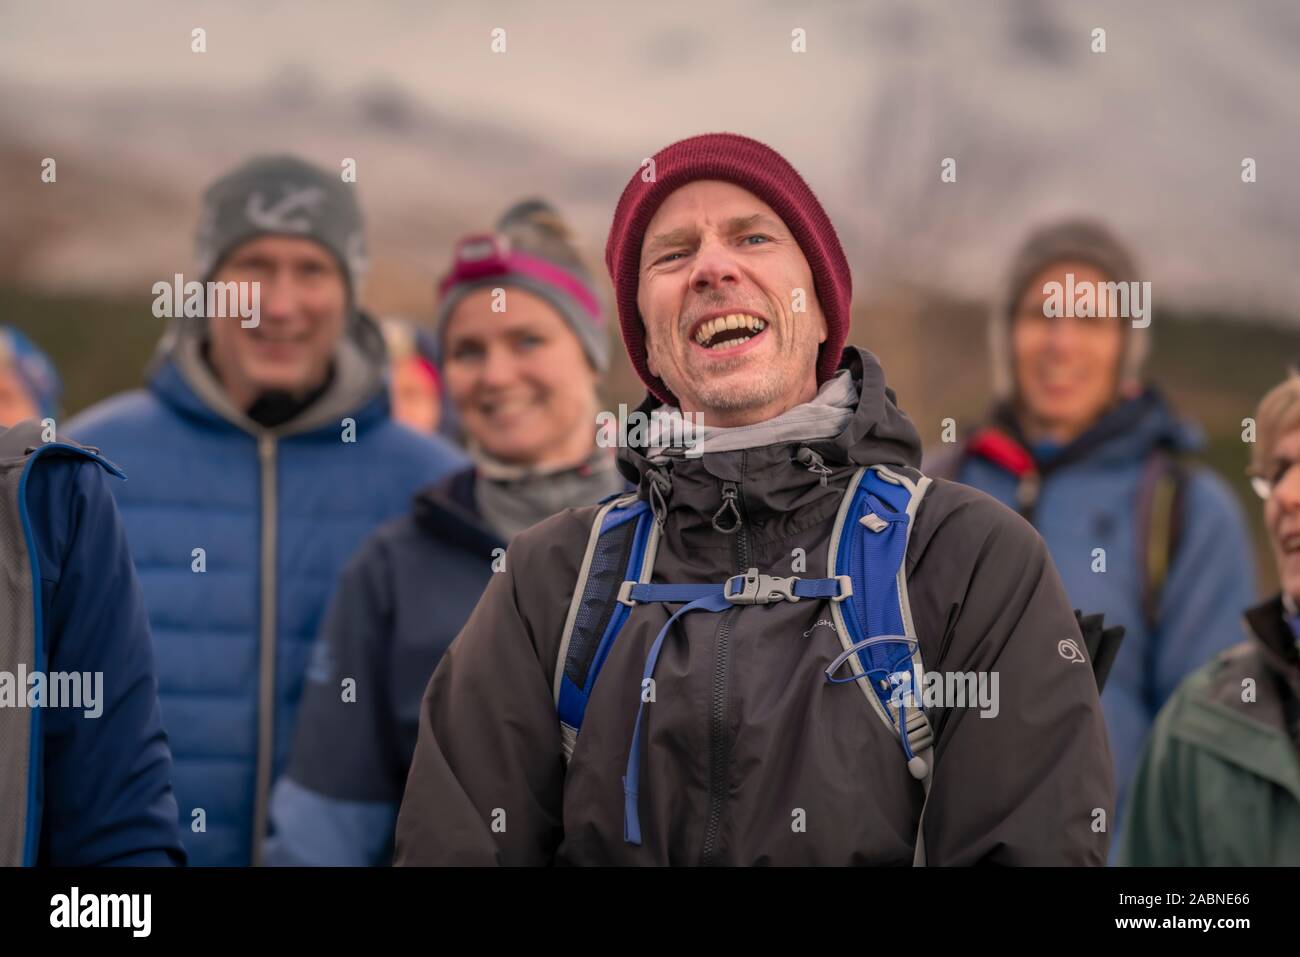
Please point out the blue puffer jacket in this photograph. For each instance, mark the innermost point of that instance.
(1087, 498)
(276, 514)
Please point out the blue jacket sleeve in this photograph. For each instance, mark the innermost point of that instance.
(337, 803)
(1210, 585)
(106, 786)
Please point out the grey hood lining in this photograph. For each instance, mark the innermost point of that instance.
(360, 374)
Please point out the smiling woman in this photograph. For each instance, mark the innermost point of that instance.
(521, 346)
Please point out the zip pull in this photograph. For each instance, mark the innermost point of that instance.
(660, 487)
(1027, 491)
(813, 463)
(730, 493)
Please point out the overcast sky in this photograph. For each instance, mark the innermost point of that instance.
(1149, 135)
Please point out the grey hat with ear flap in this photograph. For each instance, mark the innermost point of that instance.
(1071, 240)
(531, 248)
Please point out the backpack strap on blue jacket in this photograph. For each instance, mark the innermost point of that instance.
(869, 544)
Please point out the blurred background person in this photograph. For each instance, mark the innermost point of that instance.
(260, 458)
(1219, 782)
(29, 384)
(523, 346)
(415, 386)
(1096, 460)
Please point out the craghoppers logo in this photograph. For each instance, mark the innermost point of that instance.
(1069, 650)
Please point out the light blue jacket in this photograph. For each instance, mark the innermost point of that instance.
(1087, 499)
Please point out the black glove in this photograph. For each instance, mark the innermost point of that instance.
(1102, 644)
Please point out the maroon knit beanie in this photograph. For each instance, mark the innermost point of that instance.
(765, 173)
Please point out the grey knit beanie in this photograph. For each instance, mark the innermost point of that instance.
(281, 195)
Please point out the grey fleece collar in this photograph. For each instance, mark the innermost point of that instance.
(826, 415)
(511, 500)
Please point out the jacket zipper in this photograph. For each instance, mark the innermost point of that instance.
(1027, 491)
(719, 735)
(266, 449)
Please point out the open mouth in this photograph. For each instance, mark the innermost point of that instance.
(729, 331)
(1290, 543)
(505, 407)
(270, 336)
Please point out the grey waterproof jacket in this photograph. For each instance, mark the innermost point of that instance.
(749, 756)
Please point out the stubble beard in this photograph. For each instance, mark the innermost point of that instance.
(760, 384)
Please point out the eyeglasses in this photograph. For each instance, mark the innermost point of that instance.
(1266, 480)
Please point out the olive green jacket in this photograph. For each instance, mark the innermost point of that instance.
(1219, 781)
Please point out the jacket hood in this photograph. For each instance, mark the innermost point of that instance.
(877, 430)
(1275, 640)
(446, 510)
(34, 369)
(1128, 433)
(785, 474)
(180, 376)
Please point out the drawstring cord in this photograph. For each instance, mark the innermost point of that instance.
(894, 676)
(813, 463)
(660, 487)
(730, 493)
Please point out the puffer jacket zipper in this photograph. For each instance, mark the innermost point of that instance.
(719, 731)
(266, 453)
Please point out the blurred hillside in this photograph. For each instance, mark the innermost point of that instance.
(1148, 136)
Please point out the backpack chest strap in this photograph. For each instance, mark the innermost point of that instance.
(751, 588)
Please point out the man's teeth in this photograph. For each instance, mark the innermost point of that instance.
(710, 329)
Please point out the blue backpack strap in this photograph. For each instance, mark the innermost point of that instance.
(614, 578)
(868, 593)
(751, 588)
(869, 544)
(622, 545)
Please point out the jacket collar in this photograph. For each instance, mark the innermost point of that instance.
(1252, 734)
(1129, 432)
(447, 510)
(1276, 641)
(772, 479)
(181, 378)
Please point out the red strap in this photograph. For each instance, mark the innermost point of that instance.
(1002, 450)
